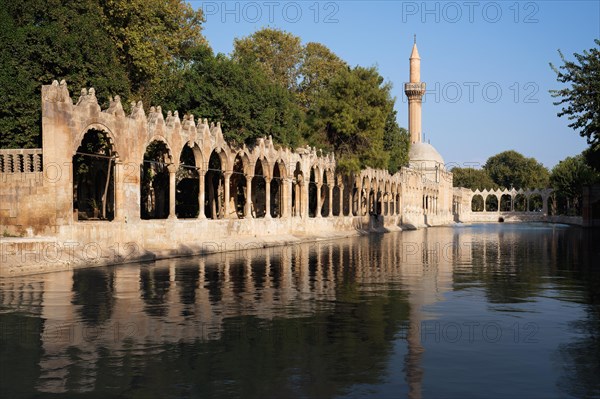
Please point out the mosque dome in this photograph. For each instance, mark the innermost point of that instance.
(424, 156)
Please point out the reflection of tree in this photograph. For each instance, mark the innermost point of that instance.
(94, 291)
(20, 345)
(507, 262)
(321, 356)
(580, 359)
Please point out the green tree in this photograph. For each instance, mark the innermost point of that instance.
(319, 65)
(581, 101)
(472, 178)
(248, 104)
(511, 169)
(279, 53)
(349, 118)
(568, 178)
(396, 142)
(151, 36)
(47, 40)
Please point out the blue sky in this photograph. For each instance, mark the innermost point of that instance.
(485, 63)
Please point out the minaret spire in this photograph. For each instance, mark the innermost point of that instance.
(414, 90)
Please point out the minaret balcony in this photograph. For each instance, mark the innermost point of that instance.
(414, 89)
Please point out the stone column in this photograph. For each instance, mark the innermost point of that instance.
(267, 198)
(289, 184)
(297, 194)
(304, 199)
(226, 191)
(172, 171)
(330, 213)
(318, 210)
(201, 177)
(341, 187)
(119, 195)
(359, 206)
(247, 207)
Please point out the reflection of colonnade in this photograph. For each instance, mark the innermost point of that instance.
(188, 299)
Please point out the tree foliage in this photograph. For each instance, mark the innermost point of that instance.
(510, 169)
(350, 118)
(279, 53)
(47, 40)
(155, 51)
(472, 178)
(570, 175)
(245, 100)
(580, 101)
(319, 65)
(396, 142)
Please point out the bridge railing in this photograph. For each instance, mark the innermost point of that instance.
(21, 160)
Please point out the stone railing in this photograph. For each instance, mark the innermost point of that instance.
(21, 160)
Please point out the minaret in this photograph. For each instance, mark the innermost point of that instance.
(414, 90)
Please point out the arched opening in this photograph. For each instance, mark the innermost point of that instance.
(155, 183)
(297, 191)
(238, 188)
(277, 202)
(491, 203)
(259, 191)
(373, 198)
(505, 203)
(94, 177)
(214, 188)
(398, 210)
(347, 193)
(477, 203)
(187, 185)
(535, 203)
(312, 194)
(325, 196)
(336, 201)
(520, 203)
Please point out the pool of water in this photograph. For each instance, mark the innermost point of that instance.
(498, 310)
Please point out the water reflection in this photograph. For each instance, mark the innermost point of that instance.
(319, 320)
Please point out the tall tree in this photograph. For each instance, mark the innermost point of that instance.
(350, 118)
(511, 169)
(151, 36)
(279, 53)
(47, 40)
(248, 104)
(569, 176)
(396, 142)
(319, 65)
(472, 178)
(581, 101)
